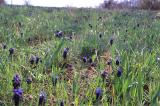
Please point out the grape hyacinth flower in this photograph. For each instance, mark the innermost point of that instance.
(32, 60)
(61, 103)
(37, 59)
(58, 34)
(111, 41)
(100, 35)
(109, 62)
(29, 80)
(84, 59)
(104, 75)
(65, 52)
(54, 80)
(11, 51)
(16, 81)
(117, 60)
(17, 96)
(119, 72)
(98, 93)
(42, 98)
(4, 46)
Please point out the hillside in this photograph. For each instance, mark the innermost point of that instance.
(80, 57)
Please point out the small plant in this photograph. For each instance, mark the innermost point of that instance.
(98, 93)
(17, 97)
(119, 71)
(42, 98)
(65, 52)
(16, 81)
(11, 51)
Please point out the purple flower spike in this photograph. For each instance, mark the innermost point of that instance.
(17, 96)
(42, 98)
(65, 52)
(84, 59)
(98, 93)
(11, 51)
(119, 72)
(16, 81)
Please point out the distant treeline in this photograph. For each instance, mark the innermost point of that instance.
(2, 2)
(139, 4)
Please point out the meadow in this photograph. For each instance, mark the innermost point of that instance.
(79, 57)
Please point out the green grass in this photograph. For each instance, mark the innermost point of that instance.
(140, 66)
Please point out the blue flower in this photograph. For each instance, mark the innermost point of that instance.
(119, 72)
(109, 62)
(11, 51)
(65, 52)
(29, 80)
(32, 60)
(84, 59)
(4, 46)
(98, 93)
(117, 60)
(37, 59)
(42, 98)
(100, 35)
(104, 75)
(59, 34)
(111, 41)
(16, 81)
(17, 96)
(61, 103)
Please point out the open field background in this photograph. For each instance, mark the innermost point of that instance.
(89, 33)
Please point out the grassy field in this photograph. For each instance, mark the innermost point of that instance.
(80, 57)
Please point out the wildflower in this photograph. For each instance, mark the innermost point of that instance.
(100, 35)
(84, 59)
(109, 62)
(65, 52)
(17, 96)
(111, 41)
(98, 93)
(61, 103)
(54, 80)
(11, 51)
(59, 34)
(117, 60)
(42, 98)
(119, 72)
(104, 75)
(29, 80)
(4, 46)
(16, 81)
(32, 59)
(37, 59)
